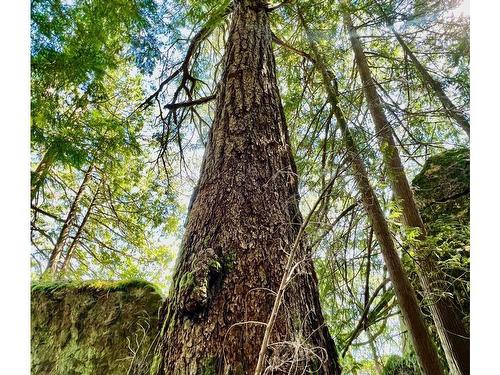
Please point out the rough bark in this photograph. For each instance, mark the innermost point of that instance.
(451, 331)
(424, 347)
(242, 223)
(55, 256)
(428, 80)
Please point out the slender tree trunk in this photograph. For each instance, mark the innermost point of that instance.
(428, 80)
(376, 359)
(354, 370)
(373, 348)
(451, 331)
(81, 227)
(424, 347)
(242, 223)
(41, 171)
(52, 265)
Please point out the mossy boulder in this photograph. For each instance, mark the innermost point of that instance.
(442, 188)
(94, 327)
(442, 193)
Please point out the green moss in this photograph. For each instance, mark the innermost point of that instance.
(48, 286)
(442, 189)
(206, 241)
(155, 364)
(209, 366)
(442, 194)
(187, 282)
(95, 285)
(228, 260)
(443, 176)
(167, 320)
(171, 323)
(187, 324)
(397, 365)
(215, 265)
(90, 327)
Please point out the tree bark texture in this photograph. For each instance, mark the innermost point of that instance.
(243, 221)
(451, 331)
(424, 347)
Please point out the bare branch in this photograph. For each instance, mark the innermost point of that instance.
(190, 103)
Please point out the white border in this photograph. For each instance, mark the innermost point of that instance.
(485, 187)
(14, 183)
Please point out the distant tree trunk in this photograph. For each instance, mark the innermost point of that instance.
(451, 331)
(371, 338)
(376, 359)
(81, 227)
(432, 83)
(41, 171)
(243, 221)
(52, 265)
(424, 347)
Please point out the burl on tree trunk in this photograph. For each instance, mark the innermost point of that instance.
(243, 221)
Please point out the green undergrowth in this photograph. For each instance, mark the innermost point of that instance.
(396, 365)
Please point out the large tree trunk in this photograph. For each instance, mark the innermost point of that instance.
(435, 86)
(243, 221)
(451, 331)
(53, 263)
(424, 347)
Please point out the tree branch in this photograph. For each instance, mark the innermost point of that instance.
(190, 103)
(293, 49)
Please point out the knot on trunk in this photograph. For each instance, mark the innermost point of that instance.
(195, 286)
